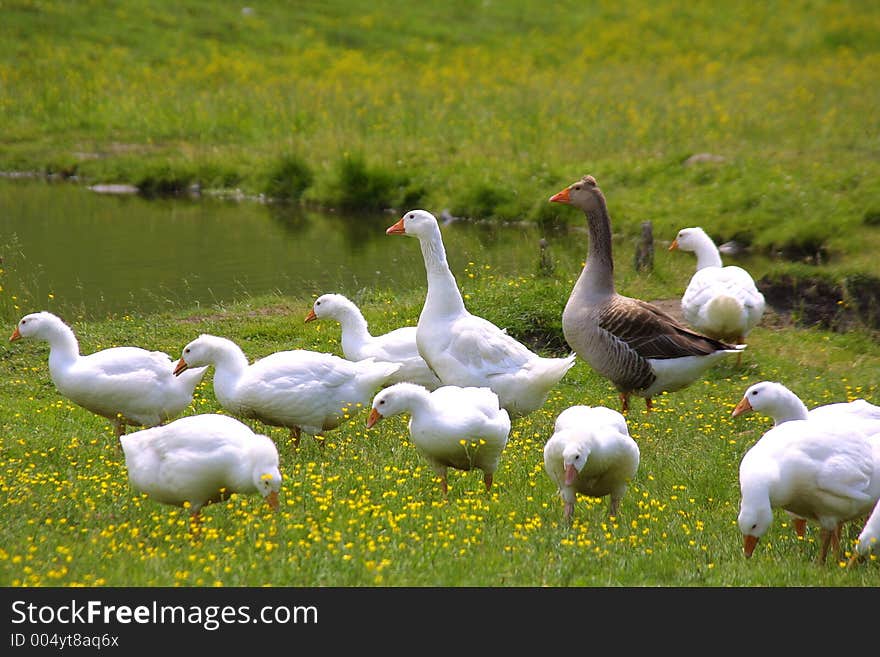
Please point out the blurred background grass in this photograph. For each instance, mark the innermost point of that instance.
(485, 108)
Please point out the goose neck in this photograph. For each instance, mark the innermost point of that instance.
(790, 408)
(63, 346)
(229, 363)
(419, 402)
(355, 331)
(707, 254)
(598, 275)
(443, 295)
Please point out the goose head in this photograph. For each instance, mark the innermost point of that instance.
(200, 352)
(574, 458)
(584, 194)
(764, 397)
(753, 520)
(326, 305)
(394, 400)
(415, 223)
(265, 473)
(689, 239)
(35, 325)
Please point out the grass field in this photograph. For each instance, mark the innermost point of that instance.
(487, 109)
(366, 510)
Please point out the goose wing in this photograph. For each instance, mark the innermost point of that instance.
(653, 333)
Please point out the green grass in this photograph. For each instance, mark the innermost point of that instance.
(487, 108)
(366, 510)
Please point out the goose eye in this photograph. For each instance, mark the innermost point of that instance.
(754, 392)
(381, 401)
(187, 350)
(577, 458)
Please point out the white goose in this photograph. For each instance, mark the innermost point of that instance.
(202, 459)
(869, 538)
(783, 405)
(814, 469)
(591, 453)
(721, 302)
(126, 385)
(638, 347)
(305, 391)
(397, 346)
(451, 427)
(466, 350)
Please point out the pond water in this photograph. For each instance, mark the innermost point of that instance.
(85, 255)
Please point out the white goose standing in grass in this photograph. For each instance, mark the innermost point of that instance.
(641, 349)
(720, 301)
(200, 459)
(126, 385)
(305, 391)
(592, 453)
(456, 427)
(782, 405)
(397, 346)
(470, 351)
(820, 470)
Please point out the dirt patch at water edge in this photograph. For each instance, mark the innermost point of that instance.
(812, 302)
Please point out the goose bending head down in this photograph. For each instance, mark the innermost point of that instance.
(782, 405)
(397, 346)
(816, 469)
(201, 459)
(302, 390)
(126, 385)
(721, 302)
(591, 453)
(638, 347)
(466, 350)
(451, 427)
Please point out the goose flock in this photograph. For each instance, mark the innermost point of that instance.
(463, 380)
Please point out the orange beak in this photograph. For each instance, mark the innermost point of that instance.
(272, 500)
(674, 245)
(15, 335)
(749, 543)
(375, 416)
(561, 197)
(743, 407)
(180, 367)
(396, 229)
(311, 316)
(571, 474)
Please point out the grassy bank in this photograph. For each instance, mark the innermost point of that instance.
(483, 108)
(366, 510)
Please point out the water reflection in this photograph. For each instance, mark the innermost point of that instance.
(291, 218)
(87, 255)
